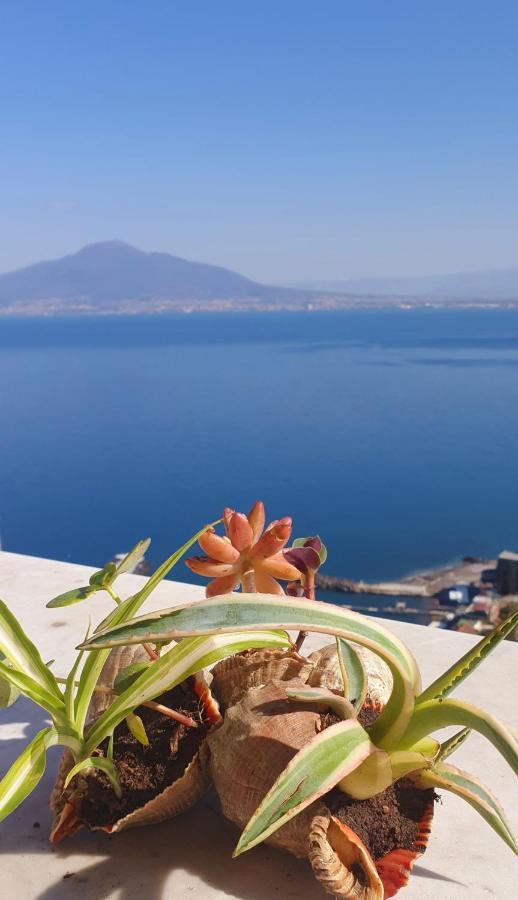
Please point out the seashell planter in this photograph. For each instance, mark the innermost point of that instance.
(158, 781)
(357, 849)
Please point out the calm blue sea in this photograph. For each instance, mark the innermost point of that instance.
(392, 433)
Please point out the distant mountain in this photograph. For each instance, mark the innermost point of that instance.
(109, 273)
(498, 284)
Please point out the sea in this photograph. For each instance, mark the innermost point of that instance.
(391, 433)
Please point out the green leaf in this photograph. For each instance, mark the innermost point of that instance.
(136, 726)
(353, 673)
(9, 693)
(28, 768)
(133, 557)
(128, 675)
(323, 699)
(173, 667)
(448, 747)
(460, 670)
(70, 684)
(22, 654)
(313, 771)
(104, 576)
(71, 597)
(96, 762)
(449, 778)
(124, 611)
(436, 714)
(32, 689)
(248, 612)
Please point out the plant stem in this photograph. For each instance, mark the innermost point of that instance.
(248, 582)
(309, 593)
(112, 594)
(170, 713)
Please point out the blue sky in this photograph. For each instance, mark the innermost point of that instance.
(291, 140)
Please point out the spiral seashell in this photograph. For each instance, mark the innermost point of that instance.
(326, 671)
(233, 676)
(175, 799)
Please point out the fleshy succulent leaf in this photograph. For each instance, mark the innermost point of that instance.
(313, 771)
(353, 673)
(250, 612)
(104, 576)
(96, 762)
(460, 670)
(184, 659)
(450, 778)
(76, 595)
(19, 650)
(322, 699)
(28, 768)
(452, 744)
(436, 714)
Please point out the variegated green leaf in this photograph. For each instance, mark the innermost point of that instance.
(123, 612)
(9, 693)
(71, 597)
(104, 576)
(35, 692)
(28, 768)
(436, 714)
(452, 744)
(313, 771)
(449, 778)
(323, 699)
(70, 684)
(249, 612)
(353, 673)
(22, 654)
(170, 669)
(460, 670)
(128, 675)
(96, 762)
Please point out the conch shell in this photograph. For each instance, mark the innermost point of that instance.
(178, 797)
(326, 671)
(259, 736)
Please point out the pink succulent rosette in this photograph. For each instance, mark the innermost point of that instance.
(247, 554)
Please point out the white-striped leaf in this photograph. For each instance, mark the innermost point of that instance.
(353, 673)
(170, 669)
(452, 744)
(28, 768)
(436, 714)
(313, 771)
(133, 557)
(249, 612)
(450, 778)
(35, 692)
(22, 654)
(96, 762)
(460, 670)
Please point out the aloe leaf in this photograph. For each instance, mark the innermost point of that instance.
(133, 557)
(96, 762)
(124, 611)
(313, 771)
(322, 699)
(34, 691)
(249, 612)
(449, 778)
(136, 726)
(353, 673)
(170, 669)
(71, 597)
(436, 714)
(452, 744)
(22, 654)
(28, 768)
(460, 670)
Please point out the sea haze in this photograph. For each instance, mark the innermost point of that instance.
(394, 434)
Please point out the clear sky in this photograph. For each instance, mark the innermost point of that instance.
(288, 140)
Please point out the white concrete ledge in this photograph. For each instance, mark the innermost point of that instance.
(191, 856)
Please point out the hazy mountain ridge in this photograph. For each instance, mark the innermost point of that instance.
(114, 277)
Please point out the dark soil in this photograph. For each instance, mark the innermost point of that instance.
(144, 772)
(384, 822)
